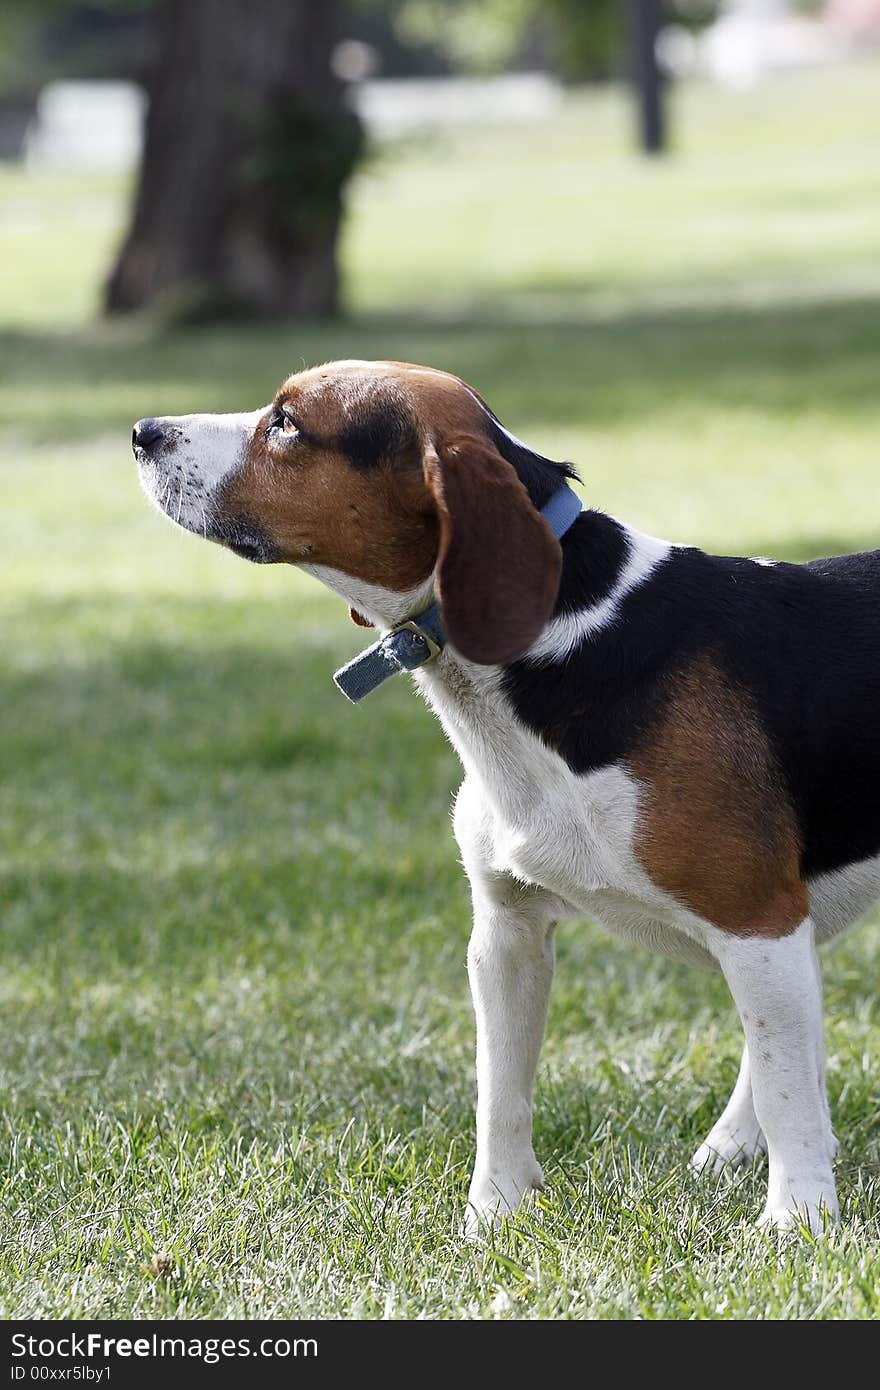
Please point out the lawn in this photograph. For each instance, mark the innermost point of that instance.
(235, 1018)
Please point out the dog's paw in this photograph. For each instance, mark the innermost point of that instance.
(816, 1212)
(725, 1150)
(494, 1196)
(815, 1216)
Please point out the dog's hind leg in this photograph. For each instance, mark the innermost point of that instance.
(776, 986)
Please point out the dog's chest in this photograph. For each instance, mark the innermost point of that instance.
(576, 841)
(538, 821)
(522, 813)
(582, 856)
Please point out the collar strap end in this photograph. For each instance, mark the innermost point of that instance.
(405, 648)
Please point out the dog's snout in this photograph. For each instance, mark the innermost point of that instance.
(145, 434)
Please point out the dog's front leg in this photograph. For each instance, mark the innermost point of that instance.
(736, 1136)
(777, 990)
(510, 966)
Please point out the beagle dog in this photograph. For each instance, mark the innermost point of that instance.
(682, 746)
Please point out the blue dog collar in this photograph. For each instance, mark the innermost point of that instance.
(411, 644)
(405, 648)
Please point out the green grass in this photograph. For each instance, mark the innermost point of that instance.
(235, 1022)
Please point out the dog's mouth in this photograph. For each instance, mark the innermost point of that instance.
(177, 487)
(245, 540)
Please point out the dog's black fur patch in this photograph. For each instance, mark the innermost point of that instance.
(802, 640)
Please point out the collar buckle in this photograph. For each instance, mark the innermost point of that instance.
(407, 651)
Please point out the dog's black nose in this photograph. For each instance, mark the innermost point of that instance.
(145, 433)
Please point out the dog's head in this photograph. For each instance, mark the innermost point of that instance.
(381, 472)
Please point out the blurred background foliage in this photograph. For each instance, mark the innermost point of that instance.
(265, 148)
(578, 39)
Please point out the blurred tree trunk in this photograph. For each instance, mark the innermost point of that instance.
(646, 17)
(248, 147)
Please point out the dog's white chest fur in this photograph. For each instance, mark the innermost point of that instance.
(522, 814)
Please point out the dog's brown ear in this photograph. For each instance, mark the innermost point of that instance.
(359, 619)
(499, 563)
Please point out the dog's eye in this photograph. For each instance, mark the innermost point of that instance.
(282, 422)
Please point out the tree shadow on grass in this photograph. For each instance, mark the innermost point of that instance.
(783, 359)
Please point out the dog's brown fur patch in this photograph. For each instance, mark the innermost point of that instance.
(314, 505)
(315, 501)
(716, 827)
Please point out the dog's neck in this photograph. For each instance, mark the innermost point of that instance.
(600, 555)
(382, 608)
(593, 556)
